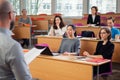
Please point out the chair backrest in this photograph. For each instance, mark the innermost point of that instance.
(87, 34)
(78, 24)
(110, 13)
(117, 25)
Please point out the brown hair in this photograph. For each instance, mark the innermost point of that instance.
(61, 22)
(95, 7)
(110, 18)
(107, 31)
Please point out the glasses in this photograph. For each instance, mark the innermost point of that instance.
(103, 33)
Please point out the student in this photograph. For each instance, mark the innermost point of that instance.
(104, 50)
(58, 28)
(114, 31)
(23, 21)
(70, 44)
(93, 18)
(12, 63)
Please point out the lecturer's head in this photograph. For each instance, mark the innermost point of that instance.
(7, 14)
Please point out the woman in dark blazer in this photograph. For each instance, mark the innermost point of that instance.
(104, 50)
(94, 18)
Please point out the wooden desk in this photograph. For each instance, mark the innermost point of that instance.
(94, 29)
(53, 42)
(90, 46)
(21, 32)
(41, 25)
(77, 21)
(86, 45)
(54, 68)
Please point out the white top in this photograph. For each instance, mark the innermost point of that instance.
(57, 32)
(93, 17)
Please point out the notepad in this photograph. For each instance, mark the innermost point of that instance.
(32, 54)
(96, 60)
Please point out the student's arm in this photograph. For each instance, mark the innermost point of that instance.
(15, 60)
(85, 53)
(51, 31)
(96, 54)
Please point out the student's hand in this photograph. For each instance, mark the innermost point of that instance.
(85, 53)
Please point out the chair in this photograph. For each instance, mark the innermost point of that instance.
(84, 18)
(42, 14)
(103, 24)
(106, 74)
(57, 14)
(78, 24)
(117, 25)
(110, 13)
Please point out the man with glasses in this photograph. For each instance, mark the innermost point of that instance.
(12, 63)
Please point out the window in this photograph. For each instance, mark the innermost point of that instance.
(69, 7)
(35, 7)
(16, 5)
(104, 6)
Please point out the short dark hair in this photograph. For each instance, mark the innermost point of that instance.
(61, 22)
(107, 31)
(110, 18)
(95, 7)
(23, 10)
(74, 28)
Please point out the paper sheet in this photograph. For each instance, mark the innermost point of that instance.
(32, 54)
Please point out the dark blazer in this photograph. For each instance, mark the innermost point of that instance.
(96, 21)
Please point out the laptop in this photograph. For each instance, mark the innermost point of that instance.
(47, 51)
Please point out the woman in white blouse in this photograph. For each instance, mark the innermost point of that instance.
(58, 28)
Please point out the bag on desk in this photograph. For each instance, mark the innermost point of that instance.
(87, 34)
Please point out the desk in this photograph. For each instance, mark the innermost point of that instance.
(86, 45)
(53, 42)
(54, 68)
(90, 46)
(94, 29)
(22, 33)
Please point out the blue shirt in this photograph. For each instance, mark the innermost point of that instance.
(12, 63)
(114, 31)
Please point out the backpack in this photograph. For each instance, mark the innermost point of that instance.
(87, 34)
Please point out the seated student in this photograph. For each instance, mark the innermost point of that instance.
(104, 50)
(58, 28)
(114, 31)
(93, 18)
(70, 44)
(23, 21)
